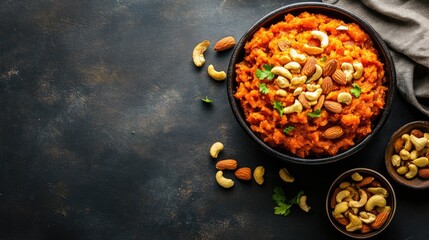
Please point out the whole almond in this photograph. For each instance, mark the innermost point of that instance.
(365, 228)
(303, 100)
(309, 67)
(319, 103)
(327, 85)
(224, 44)
(339, 76)
(333, 132)
(417, 132)
(227, 164)
(332, 106)
(243, 173)
(398, 144)
(329, 68)
(374, 183)
(343, 221)
(380, 219)
(365, 181)
(423, 173)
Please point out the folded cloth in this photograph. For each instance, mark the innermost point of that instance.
(404, 26)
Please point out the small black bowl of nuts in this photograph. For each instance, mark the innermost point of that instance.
(361, 203)
(407, 155)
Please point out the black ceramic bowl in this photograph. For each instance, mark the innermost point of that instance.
(378, 180)
(332, 11)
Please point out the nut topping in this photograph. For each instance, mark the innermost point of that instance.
(334, 107)
(330, 67)
(309, 67)
(327, 85)
(303, 100)
(339, 76)
(333, 132)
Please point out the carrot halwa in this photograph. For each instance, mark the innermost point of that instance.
(311, 84)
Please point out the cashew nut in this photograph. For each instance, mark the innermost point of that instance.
(282, 82)
(222, 181)
(414, 154)
(324, 40)
(378, 191)
(341, 195)
(421, 162)
(356, 177)
(295, 107)
(316, 75)
(281, 71)
(198, 53)
(218, 76)
(419, 143)
(258, 174)
(312, 87)
(355, 223)
(281, 92)
(341, 207)
(375, 201)
(298, 80)
(358, 70)
(344, 185)
(354, 195)
(303, 203)
(348, 70)
(215, 149)
(402, 170)
(362, 201)
(405, 155)
(344, 97)
(367, 217)
(285, 175)
(412, 171)
(297, 91)
(312, 50)
(407, 145)
(312, 96)
(300, 58)
(396, 160)
(384, 209)
(293, 67)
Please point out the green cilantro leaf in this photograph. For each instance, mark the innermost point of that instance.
(278, 105)
(279, 195)
(283, 206)
(288, 129)
(207, 100)
(323, 59)
(266, 73)
(263, 88)
(355, 90)
(282, 209)
(315, 114)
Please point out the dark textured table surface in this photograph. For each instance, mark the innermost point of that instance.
(104, 134)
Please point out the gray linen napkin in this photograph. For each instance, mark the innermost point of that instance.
(404, 26)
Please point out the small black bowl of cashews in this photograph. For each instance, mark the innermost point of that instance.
(407, 155)
(361, 203)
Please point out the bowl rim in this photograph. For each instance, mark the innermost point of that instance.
(267, 20)
(411, 183)
(379, 177)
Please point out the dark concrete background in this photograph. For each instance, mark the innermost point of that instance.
(104, 134)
